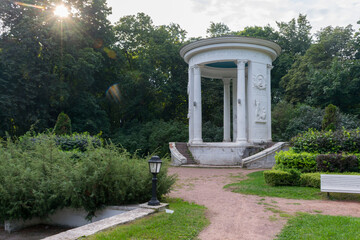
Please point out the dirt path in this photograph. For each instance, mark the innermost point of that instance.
(237, 216)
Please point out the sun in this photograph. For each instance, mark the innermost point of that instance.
(61, 11)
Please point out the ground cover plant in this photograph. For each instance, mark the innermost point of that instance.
(321, 227)
(255, 185)
(186, 222)
(38, 177)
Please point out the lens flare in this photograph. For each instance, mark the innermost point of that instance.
(111, 53)
(113, 93)
(30, 5)
(61, 11)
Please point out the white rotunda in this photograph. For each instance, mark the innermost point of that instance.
(244, 65)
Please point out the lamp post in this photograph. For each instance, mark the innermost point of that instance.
(154, 167)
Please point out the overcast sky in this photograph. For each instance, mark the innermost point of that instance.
(195, 15)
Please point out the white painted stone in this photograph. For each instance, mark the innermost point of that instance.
(177, 159)
(226, 110)
(251, 98)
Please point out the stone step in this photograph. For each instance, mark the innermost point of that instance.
(184, 150)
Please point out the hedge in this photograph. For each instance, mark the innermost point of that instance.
(310, 180)
(38, 178)
(327, 141)
(304, 162)
(281, 178)
(337, 163)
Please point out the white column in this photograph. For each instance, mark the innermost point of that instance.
(191, 104)
(268, 90)
(226, 109)
(197, 106)
(241, 105)
(234, 89)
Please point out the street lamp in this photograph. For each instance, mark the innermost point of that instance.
(154, 167)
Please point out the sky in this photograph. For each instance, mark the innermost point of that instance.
(195, 16)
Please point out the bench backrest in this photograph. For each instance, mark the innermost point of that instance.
(340, 183)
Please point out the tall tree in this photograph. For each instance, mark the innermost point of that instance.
(217, 30)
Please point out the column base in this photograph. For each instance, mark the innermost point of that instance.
(199, 140)
(241, 140)
(227, 140)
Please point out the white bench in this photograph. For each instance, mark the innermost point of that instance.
(340, 183)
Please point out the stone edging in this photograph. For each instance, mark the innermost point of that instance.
(95, 227)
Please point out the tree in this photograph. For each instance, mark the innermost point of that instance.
(295, 36)
(46, 61)
(217, 30)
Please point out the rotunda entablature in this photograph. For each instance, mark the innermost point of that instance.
(229, 48)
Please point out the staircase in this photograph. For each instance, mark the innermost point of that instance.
(183, 149)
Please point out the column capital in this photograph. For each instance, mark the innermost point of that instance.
(269, 66)
(226, 81)
(241, 63)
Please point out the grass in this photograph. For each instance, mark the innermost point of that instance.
(185, 223)
(316, 227)
(255, 185)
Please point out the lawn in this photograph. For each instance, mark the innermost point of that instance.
(255, 185)
(185, 223)
(316, 227)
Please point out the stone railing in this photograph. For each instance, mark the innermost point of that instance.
(177, 159)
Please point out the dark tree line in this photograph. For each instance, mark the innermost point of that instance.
(128, 81)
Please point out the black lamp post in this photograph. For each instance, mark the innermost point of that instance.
(154, 167)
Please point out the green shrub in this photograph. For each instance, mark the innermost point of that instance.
(310, 180)
(327, 141)
(63, 125)
(304, 162)
(145, 138)
(331, 118)
(282, 178)
(38, 178)
(337, 163)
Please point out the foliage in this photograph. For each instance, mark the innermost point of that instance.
(337, 163)
(302, 161)
(320, 227)
(145, 138)
(77, 141)
(331, 118)
(186, 222)
(39, 178)
(63, 125)
(212, 133)
(255, 185)
(327, 141)
(282, 178)
(217, 29)
(310, 180)
(289, 120)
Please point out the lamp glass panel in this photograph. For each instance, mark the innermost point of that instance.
(158, 167)
(152, 167)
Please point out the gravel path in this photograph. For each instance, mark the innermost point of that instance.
(238, 216)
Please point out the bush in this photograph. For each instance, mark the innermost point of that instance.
(304, 162)
(63, 125)
(337, 163)
(331, 118)
(327, 141)
(77, 141)
(145, 138)
(310, 180)
(282, 178)
(39, 178)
